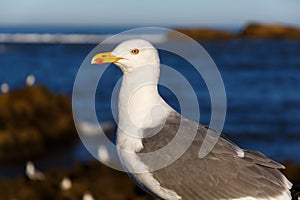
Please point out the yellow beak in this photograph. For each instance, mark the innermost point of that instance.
(104, 58)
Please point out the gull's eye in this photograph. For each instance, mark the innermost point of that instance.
(135, 51)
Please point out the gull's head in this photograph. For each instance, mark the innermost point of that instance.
(130, 55)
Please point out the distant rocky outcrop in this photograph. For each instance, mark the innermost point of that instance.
(270, 31)
(202, 34)
(33, 121)
(252, 30)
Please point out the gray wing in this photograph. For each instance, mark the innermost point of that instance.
(222, 174)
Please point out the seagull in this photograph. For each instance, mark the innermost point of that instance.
(30, 80)
(103, 153)
(32, 173)
(66, 183)
(4, 88)
(147, 124)
(87, 196)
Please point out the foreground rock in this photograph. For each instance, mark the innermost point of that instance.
(100, 181)
(252, 30)
(34, 121)
(292, 172)
(93, 178)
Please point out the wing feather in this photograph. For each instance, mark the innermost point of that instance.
(222, 174)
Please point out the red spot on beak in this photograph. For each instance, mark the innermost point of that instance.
(99, 61)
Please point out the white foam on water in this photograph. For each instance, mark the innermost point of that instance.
(75, 38)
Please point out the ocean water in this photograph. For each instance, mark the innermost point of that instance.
(261, 77)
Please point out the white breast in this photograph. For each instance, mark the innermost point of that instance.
(140, 107)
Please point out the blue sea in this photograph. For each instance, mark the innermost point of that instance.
(261, 78)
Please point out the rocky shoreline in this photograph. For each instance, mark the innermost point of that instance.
(252, 30)
(33, 120)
